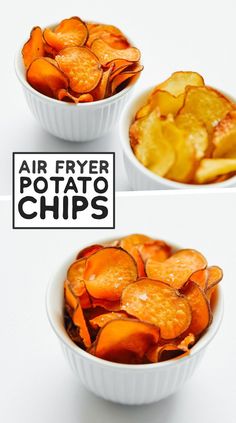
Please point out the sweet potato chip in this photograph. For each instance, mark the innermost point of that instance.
(79, 321)
(70, 297)
(157, 303)
(102, 319)
(200, 277)
(67, 96)
(81, 67)
(177, 269)
(86, 252)
(46, 78)
(108, 271)
(49, 51)
(118, 66)
(195, 133)
(75, 277)
(168, 351)
(131, 75)
(201, 312)
(209, 169)
(208, 105)
(131, 243)
(34, 47)
(70, 32)
(102, 90)
(178, 81)
(215, 275)
(108, 33)
(156, 249)
(125, 341)
(106, 304)
(106, 54)
(150, 145)
(224, 137)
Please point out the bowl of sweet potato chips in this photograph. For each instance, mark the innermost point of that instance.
(135, 311)
(77, 76)
(180, 134)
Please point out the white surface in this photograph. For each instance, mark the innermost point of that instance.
(171, 35)
(37, 386)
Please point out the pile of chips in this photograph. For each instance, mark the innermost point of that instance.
(136, 301)
(80, 61)
(186, 131)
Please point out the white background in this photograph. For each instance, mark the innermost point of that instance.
(36, 384)
(172, 35)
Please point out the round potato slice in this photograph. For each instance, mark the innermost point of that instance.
(69, 33)
(108, 271)
(75, 277)
(201, 312)
(209, 169)
(106, 304)
(86, 252)
(224, 137)
(150, 145)
(67, 96)
(168, 351)
(125, 341)
(178, 81)
(106, 54)
(103, 319)
(81, 67)
(215, 275)
(208, 105)
(195, 132)
(108, 33)
(177, 269)
(130, 75)
(200, 277)
(34, 47)
(157, 303)
(102, 90)
(46, 78)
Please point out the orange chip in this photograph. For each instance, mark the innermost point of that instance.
(108, 271)
(102, 90)
(86, 252)
(119, 65)
(131, 75)
(168, 351)
(34, 47)
(79, 321)
(177, 269)
(46, 78)
(106, 54)
(200, 277)
(108, 33)
(201, 313)
(102, 319)
(106, 304)
(70, 297)
(131, 244)
(215, 274)
(75, 276)
(81, 67)
(157, 303)
(67, 96)
(125, 341)
(156, 250)
(49, 51)
(69, 33)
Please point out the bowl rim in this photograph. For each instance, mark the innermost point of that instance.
(127, 150)
(202, 343)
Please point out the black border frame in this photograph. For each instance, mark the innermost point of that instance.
(60, 227)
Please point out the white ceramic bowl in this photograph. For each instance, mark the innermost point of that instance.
(72, 122)
(124, 383)
(141, 178)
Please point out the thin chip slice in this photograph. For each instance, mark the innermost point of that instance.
(195, 133)
(150, 145)
(208, 105)
(178, 81)
(70, 32)
(67, 96)
(157, 303)
(34, 47)
(129, 75)
(106, 304)
(70, 297)
(209, 169)
(106, 54)
(177, 269)
(79, 321)
(131, 243)
(156, 249)
(125, 341)
(102, 319)
(183, 167)
(118, 66)
(215, 275)
(86, 252)
(108, 271)
(108, 33)
(224, 137)
(166, 102)
(49, 51)
(81, 67)
(201, 312)
(165, 352)
(200, 277)
(75, 277)
(102, 90)
(46, 78)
